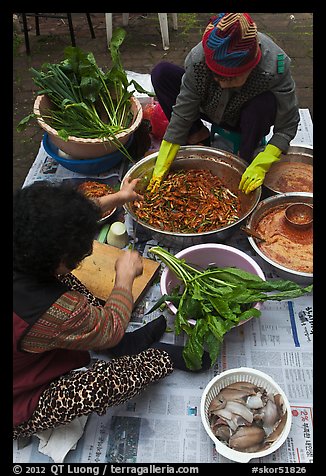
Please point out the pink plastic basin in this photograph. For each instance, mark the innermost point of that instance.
(210, 254)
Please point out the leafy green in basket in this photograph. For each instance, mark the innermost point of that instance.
(218, 299)
(87, 102)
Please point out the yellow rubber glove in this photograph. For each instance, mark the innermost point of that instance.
(255, 173)
(164, 160)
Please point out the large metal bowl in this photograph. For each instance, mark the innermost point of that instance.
(228, 167)
(295, 154)
(263, 207)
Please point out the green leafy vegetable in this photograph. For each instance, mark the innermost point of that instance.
(219, 299)
(87, 102)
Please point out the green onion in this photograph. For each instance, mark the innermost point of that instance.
(81, 92)
(219, 299)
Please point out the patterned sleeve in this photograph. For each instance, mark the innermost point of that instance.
(287, 115)
(72, 323)
(185, 111)
(187, 107)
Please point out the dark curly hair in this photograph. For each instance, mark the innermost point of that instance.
(52, 224)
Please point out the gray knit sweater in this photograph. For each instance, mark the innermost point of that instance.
(199, 92)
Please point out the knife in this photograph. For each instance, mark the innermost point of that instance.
(134, 235)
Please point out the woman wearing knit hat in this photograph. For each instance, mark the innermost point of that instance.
(237, 78)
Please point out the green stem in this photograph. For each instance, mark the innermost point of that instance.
(175, 264)
(209, 274)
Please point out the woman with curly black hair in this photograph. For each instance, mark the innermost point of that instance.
(57, 321)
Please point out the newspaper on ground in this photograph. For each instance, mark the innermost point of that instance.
(164, 423)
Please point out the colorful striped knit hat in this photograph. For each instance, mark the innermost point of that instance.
(230, 44)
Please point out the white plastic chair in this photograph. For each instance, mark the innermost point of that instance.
(162, 17)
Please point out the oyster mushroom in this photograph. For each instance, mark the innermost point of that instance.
(279, 402)
(229, 418)
(254, 448)
(247, 386)
(216, 404)
(234, 394)
(223, 432)
(276, 431)
(271, 415)
(239, 409)
(226, 394)
(246, 417)
(246, 437)
(255, 401)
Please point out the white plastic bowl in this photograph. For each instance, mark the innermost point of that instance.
(210, 254)
(252, 376)
(117, 235)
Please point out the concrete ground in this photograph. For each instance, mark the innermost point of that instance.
(141, 50)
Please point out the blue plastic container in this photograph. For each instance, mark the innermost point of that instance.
(85, 166)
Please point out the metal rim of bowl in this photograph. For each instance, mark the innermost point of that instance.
(276, 198)
(103, 219)
(106, 217)
(302, 149)
(189, 235)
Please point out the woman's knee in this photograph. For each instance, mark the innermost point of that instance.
(159, 67)
(165, 71)
(262, 107)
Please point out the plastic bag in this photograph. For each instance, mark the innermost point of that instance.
(159, 122)
(148, 110)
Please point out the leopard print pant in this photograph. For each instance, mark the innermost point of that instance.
(74, 284)
(102, 385)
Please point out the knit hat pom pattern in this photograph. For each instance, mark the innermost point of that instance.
(230, 44)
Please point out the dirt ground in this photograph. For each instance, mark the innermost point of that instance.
(141, 50)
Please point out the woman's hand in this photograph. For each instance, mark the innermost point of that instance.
(128, 266)
(127, 193)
